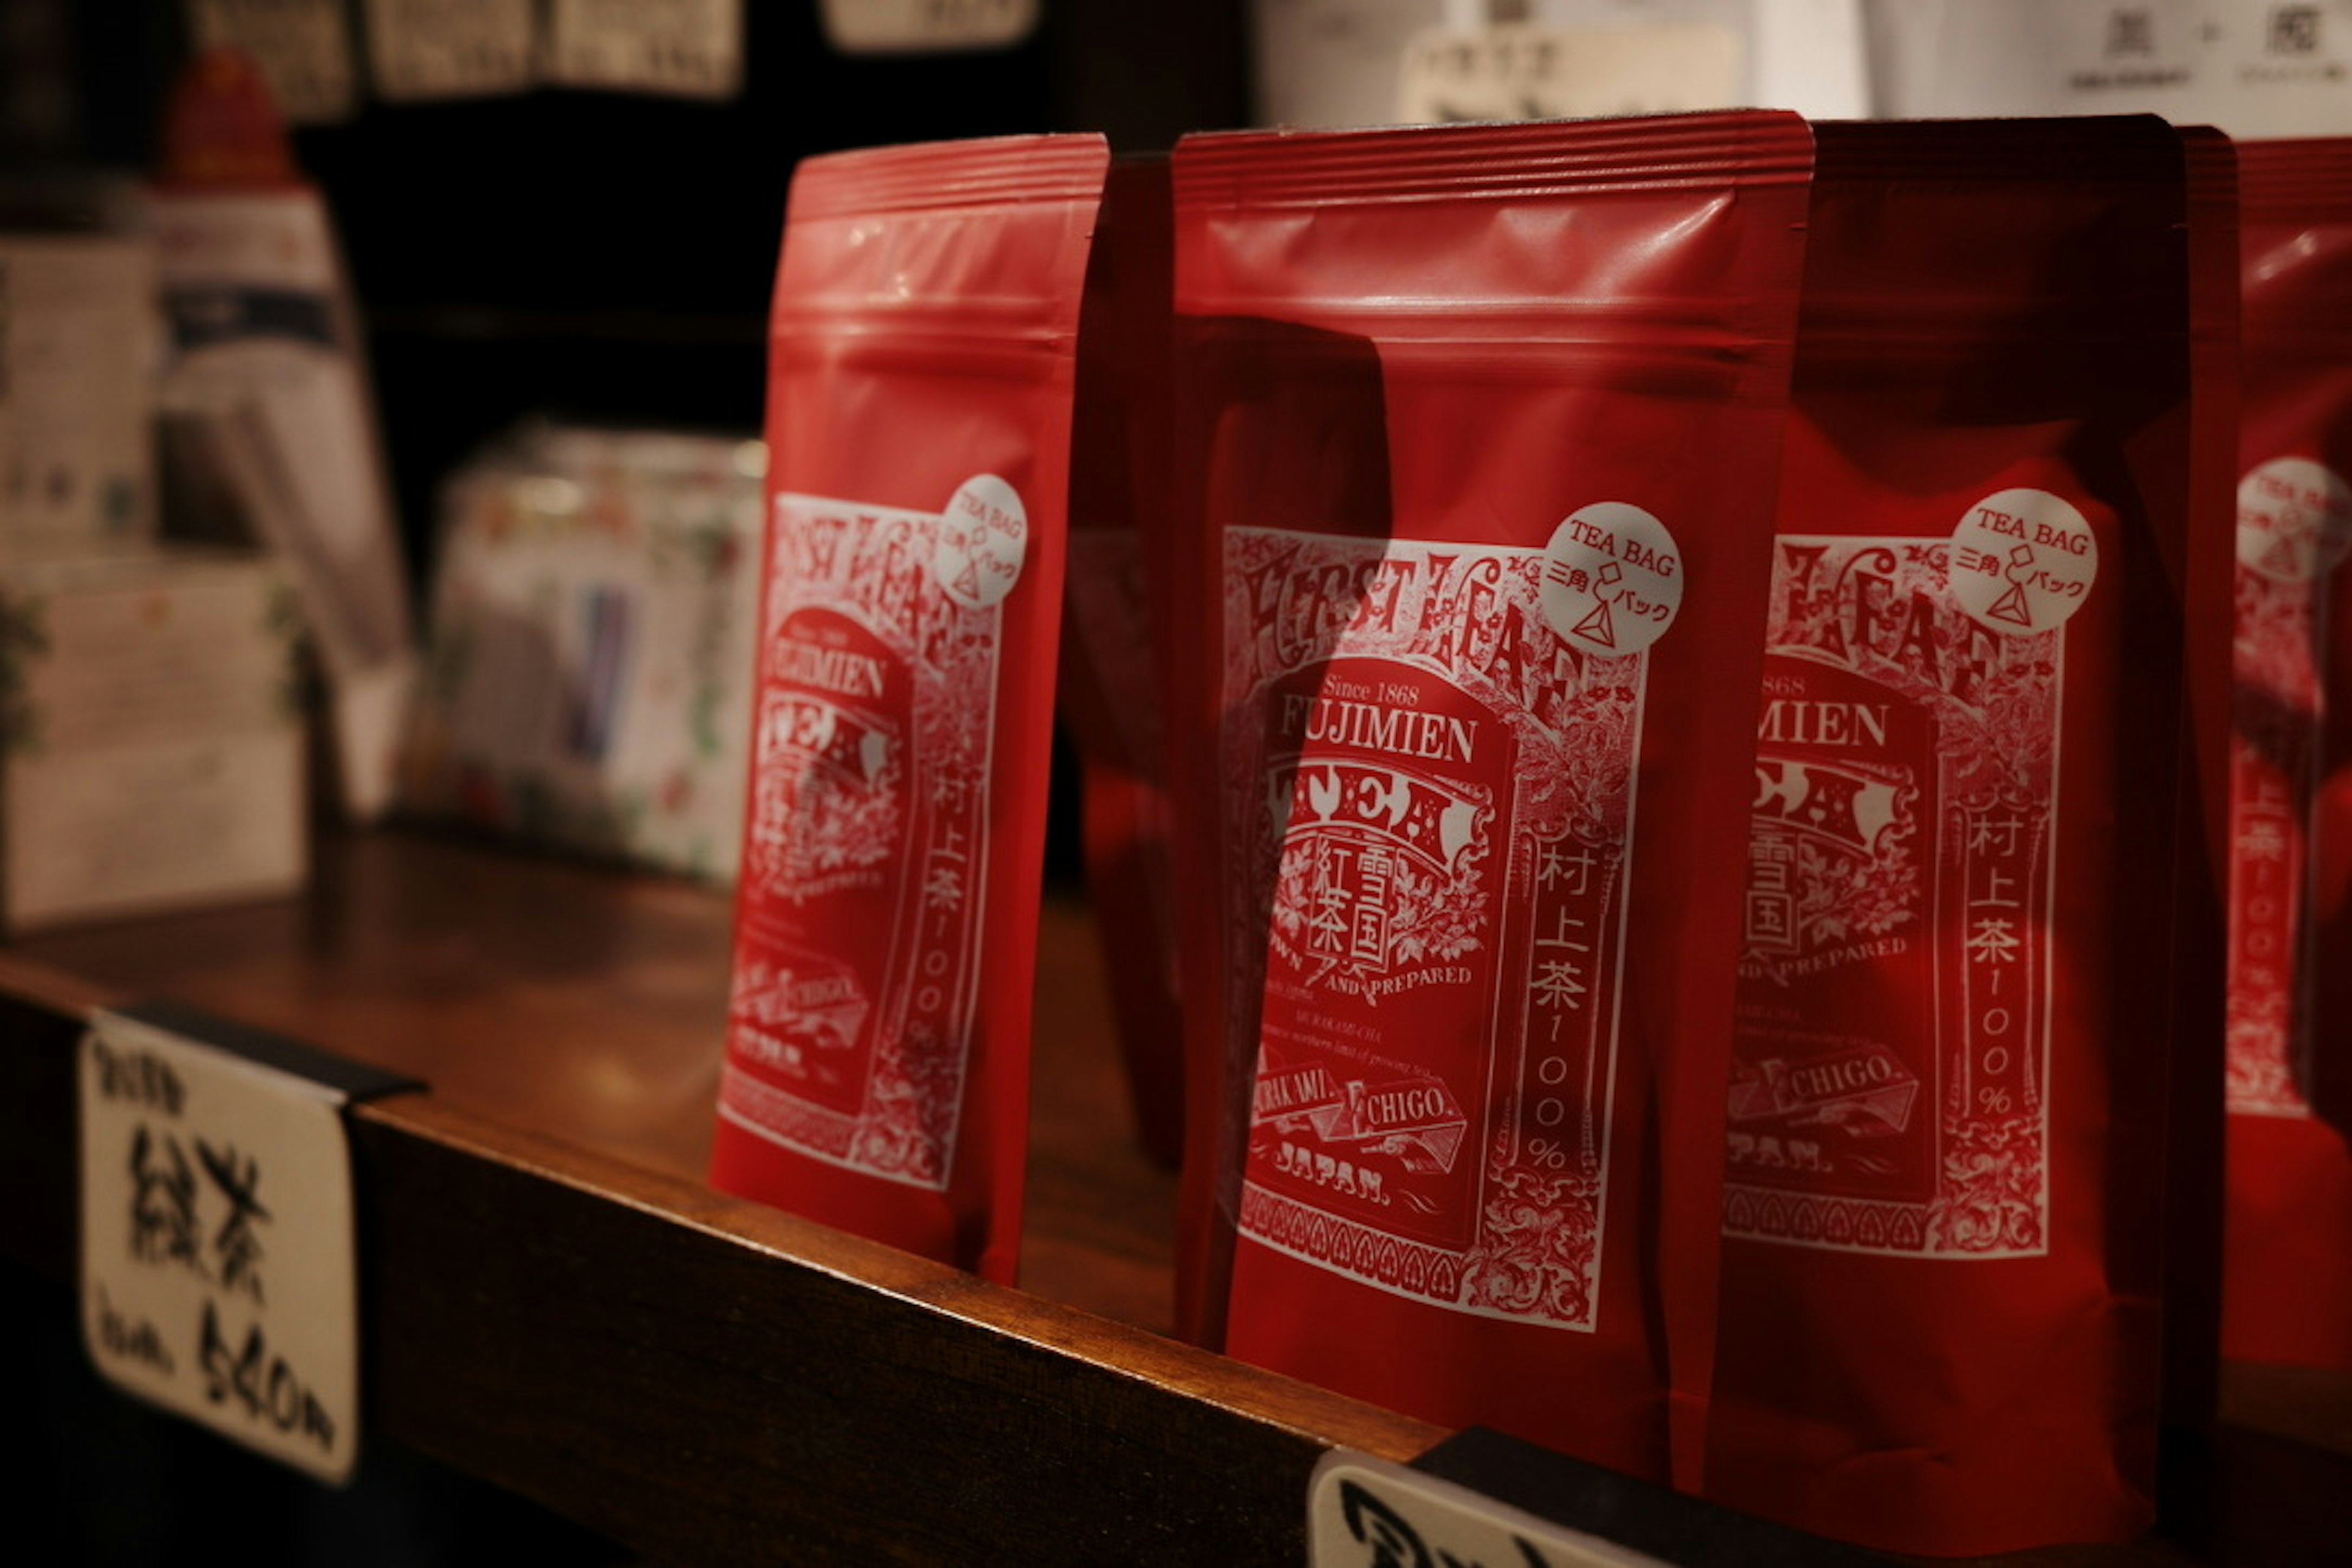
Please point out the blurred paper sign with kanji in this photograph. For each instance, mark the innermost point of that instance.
(218, 1274)
(915, 26)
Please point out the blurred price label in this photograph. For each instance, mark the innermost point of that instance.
(218, 1269)
(690, 48)
(905, 26)
(450, 48)
(1363, 1512)
(1527, 71)
(302, 48)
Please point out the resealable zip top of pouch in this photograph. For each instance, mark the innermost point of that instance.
(1481, 426)
(1975, 834)
(918, 434)
(2288, 1275)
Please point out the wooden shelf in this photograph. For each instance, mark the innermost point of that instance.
(544, 996)
(555, 1300)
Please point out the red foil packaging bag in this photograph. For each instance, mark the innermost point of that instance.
(1484, 422)
(920, 378)
(1111, 693)
(2288, 1280)
(2195, 1121)
(1981, 902)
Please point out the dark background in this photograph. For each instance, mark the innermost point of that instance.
(607, 255)
(600, 256)
(597, 255)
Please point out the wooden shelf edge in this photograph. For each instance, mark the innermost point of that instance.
(1245, 1392)
(695, 1374)
(699, 1376)
(39, 985)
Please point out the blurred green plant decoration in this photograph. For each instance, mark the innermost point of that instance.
(708, 553)
(717, 552)
(281, 619)
(24, 637)
(449, 660)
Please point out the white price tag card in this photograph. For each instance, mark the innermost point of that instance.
(1527, 71)
(302, 48)
(217, 1267)
(906, 26)
(690, 48)
(1363, 1512)
(450, 48)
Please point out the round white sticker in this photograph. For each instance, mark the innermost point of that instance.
(1613, 579)
(2021, 561)
(983, 537)
(2295, 520)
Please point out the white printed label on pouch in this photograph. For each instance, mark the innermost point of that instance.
(1890, 1053)
(1613, 580)
(693, 48)
(450, 48)
(1432, 782)
(907, 27)
(1526, 71)
(218, 1269)
(2295, 520)
(1364, 1513)
(2022, 562)
(866, 862)
(302, 48)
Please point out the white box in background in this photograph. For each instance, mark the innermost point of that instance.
(78, 354)
(588, 671)
(267, 408)
(151, 756)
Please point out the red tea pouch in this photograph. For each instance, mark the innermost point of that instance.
(1977, 850)
(2194, 1119)
(1112, 694)
(918, 433)
(1484, 422)
(2287, 1293)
